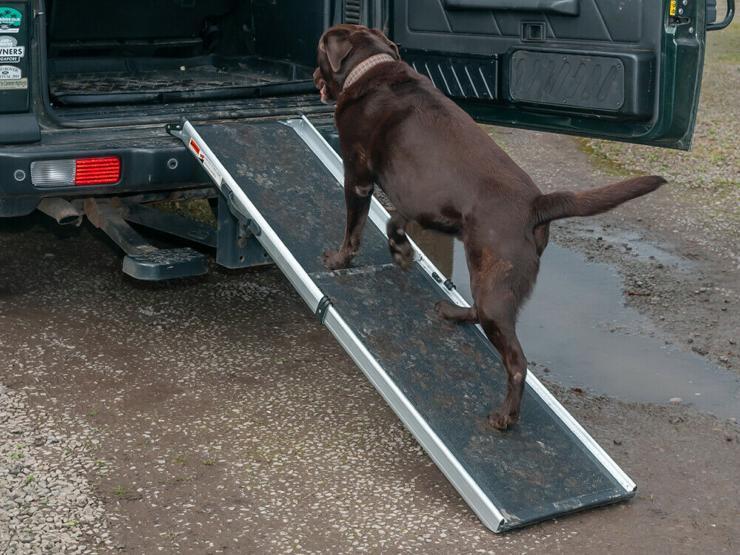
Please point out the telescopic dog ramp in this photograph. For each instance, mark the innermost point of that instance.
(441, 379)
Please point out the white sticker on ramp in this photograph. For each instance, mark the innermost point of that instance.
(207, 164)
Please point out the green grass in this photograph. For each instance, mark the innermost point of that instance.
(724, 46)
(198, 209)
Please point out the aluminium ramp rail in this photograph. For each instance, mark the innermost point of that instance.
(440, 378)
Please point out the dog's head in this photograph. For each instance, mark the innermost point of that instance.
(341, 48)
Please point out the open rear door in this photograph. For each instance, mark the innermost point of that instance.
(619, 69)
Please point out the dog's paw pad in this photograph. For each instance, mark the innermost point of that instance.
(499, 421)
(333, 260)
(442, 308)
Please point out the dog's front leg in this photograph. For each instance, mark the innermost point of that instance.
(357, 195)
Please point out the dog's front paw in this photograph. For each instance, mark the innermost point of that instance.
(501, 420)
(446, 310)
(334, 260)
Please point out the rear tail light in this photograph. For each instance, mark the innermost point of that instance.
(105, 170)
(101, 170)
(53, 173)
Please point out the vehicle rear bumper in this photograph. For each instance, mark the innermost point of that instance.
(151, 159)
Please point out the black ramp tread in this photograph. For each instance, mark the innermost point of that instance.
(291, 188)
(453, 376)
(450, 373)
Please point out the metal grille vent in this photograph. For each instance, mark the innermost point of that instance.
(353, 11)
(459, 77)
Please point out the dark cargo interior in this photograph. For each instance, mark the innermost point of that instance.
(107, 52)
(576, 56)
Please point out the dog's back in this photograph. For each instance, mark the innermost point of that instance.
(429, 156)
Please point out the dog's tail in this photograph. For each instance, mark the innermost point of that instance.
(567, 204)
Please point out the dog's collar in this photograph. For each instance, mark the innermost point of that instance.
(364, 66)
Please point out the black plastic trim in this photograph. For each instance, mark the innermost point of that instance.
(322, 307)
(565, 7)
(19, 129)
(729, 16)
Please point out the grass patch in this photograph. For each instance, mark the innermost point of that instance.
(197, 209)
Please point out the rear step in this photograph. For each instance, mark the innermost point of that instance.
(441, 379)
(143, 261)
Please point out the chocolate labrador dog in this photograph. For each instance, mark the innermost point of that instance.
(441, 170)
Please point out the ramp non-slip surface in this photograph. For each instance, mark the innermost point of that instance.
(450, 373)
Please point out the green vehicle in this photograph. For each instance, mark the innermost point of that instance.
(87, 87)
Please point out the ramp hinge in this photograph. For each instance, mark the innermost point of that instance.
(322, 307)
(449, 284)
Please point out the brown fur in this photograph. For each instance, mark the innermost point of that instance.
(440, 169)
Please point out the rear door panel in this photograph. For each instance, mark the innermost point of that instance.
(618, 69)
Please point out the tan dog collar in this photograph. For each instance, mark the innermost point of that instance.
(364, 66)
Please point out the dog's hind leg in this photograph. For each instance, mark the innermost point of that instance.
(497, 294)
(456, 313)
(398, 242)
(497, 313)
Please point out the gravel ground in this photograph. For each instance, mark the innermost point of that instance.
(217, 416)
(46, 500)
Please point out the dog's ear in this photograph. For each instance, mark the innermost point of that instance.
(387, 41)
(337, 47)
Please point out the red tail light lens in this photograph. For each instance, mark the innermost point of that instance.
(104, 170)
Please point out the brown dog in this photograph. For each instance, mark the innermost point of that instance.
(440, 169)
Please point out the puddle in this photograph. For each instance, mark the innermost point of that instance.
(577, 325)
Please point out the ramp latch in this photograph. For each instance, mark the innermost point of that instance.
(449, 284)
(322, 307)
